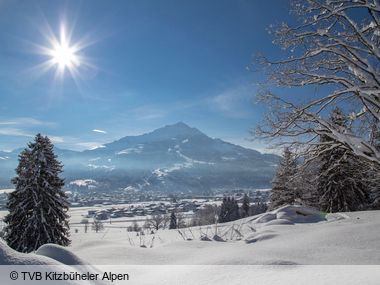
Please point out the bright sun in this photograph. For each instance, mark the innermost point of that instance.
(63, 55)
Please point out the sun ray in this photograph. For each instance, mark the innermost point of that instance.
(63, 55)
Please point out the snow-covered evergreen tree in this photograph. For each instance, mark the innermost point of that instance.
(374, 169)
(173, 221)
(229, 210)
(342, 182)
(235, 215)
(283, 188)
(38, 206)
(258, 207)
(374, 187)
(306, 181)
(245, 206)
(224, 210)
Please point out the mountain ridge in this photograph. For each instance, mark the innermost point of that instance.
(171, 158)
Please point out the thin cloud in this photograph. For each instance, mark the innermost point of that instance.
(14, 132)
(56, 139)
(75, 143)
(25, 121)
(99, 131)
(89, 145)
(21, 133)
(233, 102)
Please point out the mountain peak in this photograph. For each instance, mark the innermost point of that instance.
(179, 128)
(180, 124)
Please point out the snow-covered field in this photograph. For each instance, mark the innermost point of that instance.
(6, 191)
(291, 235)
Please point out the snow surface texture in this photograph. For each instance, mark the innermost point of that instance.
(288, 235)
(289, 215)
(8, 256)
(48, 258)
(61, 254)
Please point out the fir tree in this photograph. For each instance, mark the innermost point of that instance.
(229, 210)
(283, 188)
(307, 180)
(258, 208)
(173, 221)
(224, 211)
(342, 182)
(375, 134)
(235, 215)
(374, 169)
(246, 205)
(38, 206)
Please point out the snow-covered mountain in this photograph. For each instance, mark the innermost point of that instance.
(174, 158)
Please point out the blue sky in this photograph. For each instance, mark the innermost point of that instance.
(149, 64)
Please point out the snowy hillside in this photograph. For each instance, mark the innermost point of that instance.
(289, 235)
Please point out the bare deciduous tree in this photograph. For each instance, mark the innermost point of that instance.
(181, 221)
(97, 226)
(158, 221)
(335, 48)
(205, 216)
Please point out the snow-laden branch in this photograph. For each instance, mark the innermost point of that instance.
(334, 47)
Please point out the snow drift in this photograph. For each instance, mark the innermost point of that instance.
(290, 214)
(60, 254)
(48, 254)
(8, 256)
